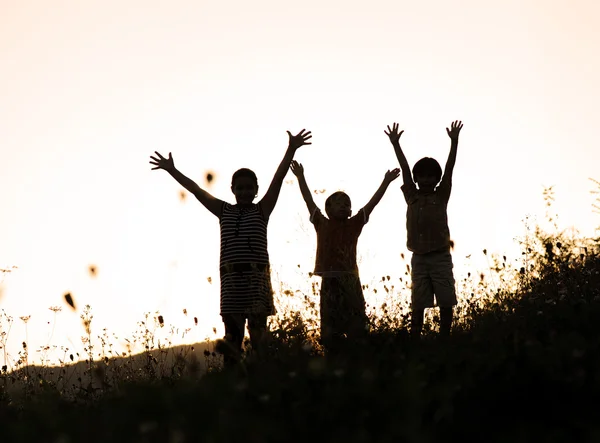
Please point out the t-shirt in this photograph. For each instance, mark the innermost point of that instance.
(336, 243)
(427, 218)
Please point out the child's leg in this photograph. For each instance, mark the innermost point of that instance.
(257, 327)
(329, 309)
(234, 337)
(446, 320)
(443, 285)
(352, 310)
(418, 315)
(421, 292)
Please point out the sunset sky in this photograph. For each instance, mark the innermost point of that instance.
(89, 90)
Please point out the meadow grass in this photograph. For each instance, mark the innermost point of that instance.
(522, 364)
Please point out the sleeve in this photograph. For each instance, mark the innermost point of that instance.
(262, 214)
(444, 188)
(223, 206)
(359, 219)
(316, 218)
(362, 216)
(410, 192)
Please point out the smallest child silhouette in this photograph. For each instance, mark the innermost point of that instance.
(342, 303)
(428, 235)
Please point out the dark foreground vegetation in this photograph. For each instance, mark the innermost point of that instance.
(522, 364)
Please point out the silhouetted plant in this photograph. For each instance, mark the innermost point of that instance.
(524, 347)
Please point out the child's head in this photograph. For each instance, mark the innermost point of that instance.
(338, 206)
(244, 185)
(427, 173)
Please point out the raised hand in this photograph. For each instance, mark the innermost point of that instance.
(393, 133)
(163, 163)
(300, 139)
(454, 130)
(392, 175)
(297, 168)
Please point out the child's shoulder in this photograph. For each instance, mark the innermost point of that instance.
(228, 207)
(237, 206)
(236, 209)
(317, 217)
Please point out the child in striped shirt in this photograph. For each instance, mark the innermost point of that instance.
(246, 293)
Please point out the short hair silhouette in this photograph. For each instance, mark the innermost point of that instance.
(336, 195)
(427, 166)
(244, 172)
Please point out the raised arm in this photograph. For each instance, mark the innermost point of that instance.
(298, 171)
(390, 176)
(394, 136)
(453, 133)
(211, 203)
(270, 199)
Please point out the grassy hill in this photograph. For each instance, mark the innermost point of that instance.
(522, 364)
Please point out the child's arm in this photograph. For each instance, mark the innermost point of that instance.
(453, 133)
(390, 176)
(298, 171)
(211, 203)
(295, 141)
(394, 136)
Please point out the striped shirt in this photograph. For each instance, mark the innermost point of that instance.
(244, 261)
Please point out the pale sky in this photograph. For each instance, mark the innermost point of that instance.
(90, 89)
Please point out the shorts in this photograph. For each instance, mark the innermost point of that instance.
(432, 276)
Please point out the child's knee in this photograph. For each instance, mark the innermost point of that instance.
(257, 322)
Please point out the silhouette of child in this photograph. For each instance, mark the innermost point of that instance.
(428, 235)
(246, 292)
(342, 303)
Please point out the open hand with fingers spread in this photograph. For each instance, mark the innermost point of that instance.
(392, 175)
(163, 163)
(393, 133)
(300, 139)
(454, 130)
(297, 168)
